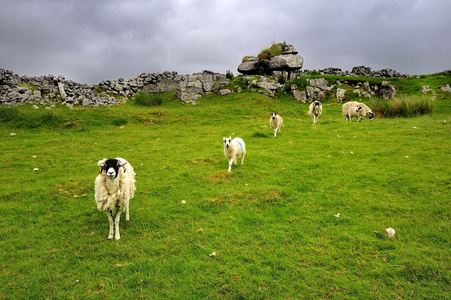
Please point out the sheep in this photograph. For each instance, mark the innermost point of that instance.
(315, 110)
(232, 149)
(356, 111)
(276, 122)
(369, 113)
(114, 187)
(347, 105)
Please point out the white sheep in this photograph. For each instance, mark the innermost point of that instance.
(368, 110)
(232, 149)
(315, 110)
(347, 105)
(276, 122)
(356, 111)
(114, 187)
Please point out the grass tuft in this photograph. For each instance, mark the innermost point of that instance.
(402, 106)
(148, 99)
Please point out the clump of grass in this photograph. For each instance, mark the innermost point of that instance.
(119, 121)
(36, 118)
(148, 99)
(403, 107)
(274, 50)
(259, 134)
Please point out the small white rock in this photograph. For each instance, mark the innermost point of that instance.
(35, 169)
(213, 254)
(337, 215)
(34, 156)
(183, 202)
(390, 232)
(13, 134)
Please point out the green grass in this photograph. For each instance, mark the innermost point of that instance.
(271, 221)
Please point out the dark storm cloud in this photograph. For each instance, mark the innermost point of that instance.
(91, 41)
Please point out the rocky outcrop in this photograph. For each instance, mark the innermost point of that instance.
(16, 90)
(195, 86)
(288, 61)
(360, 71)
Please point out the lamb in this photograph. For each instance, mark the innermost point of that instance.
(276, 122)
(356, 111)
(347, 105)
(232, 149)
(315, 110)
(114, 187)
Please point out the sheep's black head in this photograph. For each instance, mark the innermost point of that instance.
(273, 115)
(317, 103)
(227, 141)
(111, 167)
(370, 115)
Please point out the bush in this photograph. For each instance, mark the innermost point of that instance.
(403, 106)
(119, 121)
(148, 99)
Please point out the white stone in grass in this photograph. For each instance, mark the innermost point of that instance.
(35, 169)
(390, 232)
(213, 254)
(183, 201)
(337, 215)
(414, 127)
(13, 134)
(407, 156)
(35, 107)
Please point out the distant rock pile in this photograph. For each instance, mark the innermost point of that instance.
(189, 87)
(360, 71)
(15, 90)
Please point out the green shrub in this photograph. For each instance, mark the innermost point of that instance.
(402, 106)
(229, 74)
(148, 99)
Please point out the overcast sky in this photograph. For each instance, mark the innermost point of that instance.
(89, 41)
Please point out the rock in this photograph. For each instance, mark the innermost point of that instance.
(386, 90)
(446, 88)
(340, 95)
(288, 61)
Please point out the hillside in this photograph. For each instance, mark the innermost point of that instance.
(305, 216)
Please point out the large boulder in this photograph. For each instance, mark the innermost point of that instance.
(289, 61)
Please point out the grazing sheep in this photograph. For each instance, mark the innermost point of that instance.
(276, 122)
(315, 110)
(232, 149)
(356, 111)
(347, 105)
(114, 187)
(368, 110)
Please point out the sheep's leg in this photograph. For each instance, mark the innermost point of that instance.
(230, 164)
(117, 235)
(127, 214)
(242, 158)
(111, 219)
(275, 132)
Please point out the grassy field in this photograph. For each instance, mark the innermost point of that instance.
(272, 221)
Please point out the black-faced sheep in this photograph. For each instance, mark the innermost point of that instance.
(276, 122)
(232, 149)
(315, 110)
(114, 187)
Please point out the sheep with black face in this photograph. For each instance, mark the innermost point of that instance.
(315, 110)
(114, 187)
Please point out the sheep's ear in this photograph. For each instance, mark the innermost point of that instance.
(122, 163)
(101, 162)
(277, 113)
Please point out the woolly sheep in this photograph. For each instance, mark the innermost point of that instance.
(276, 122)
(356, 111)
(114, 187)
(232, 149)
(315, 110)
(347, 105)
